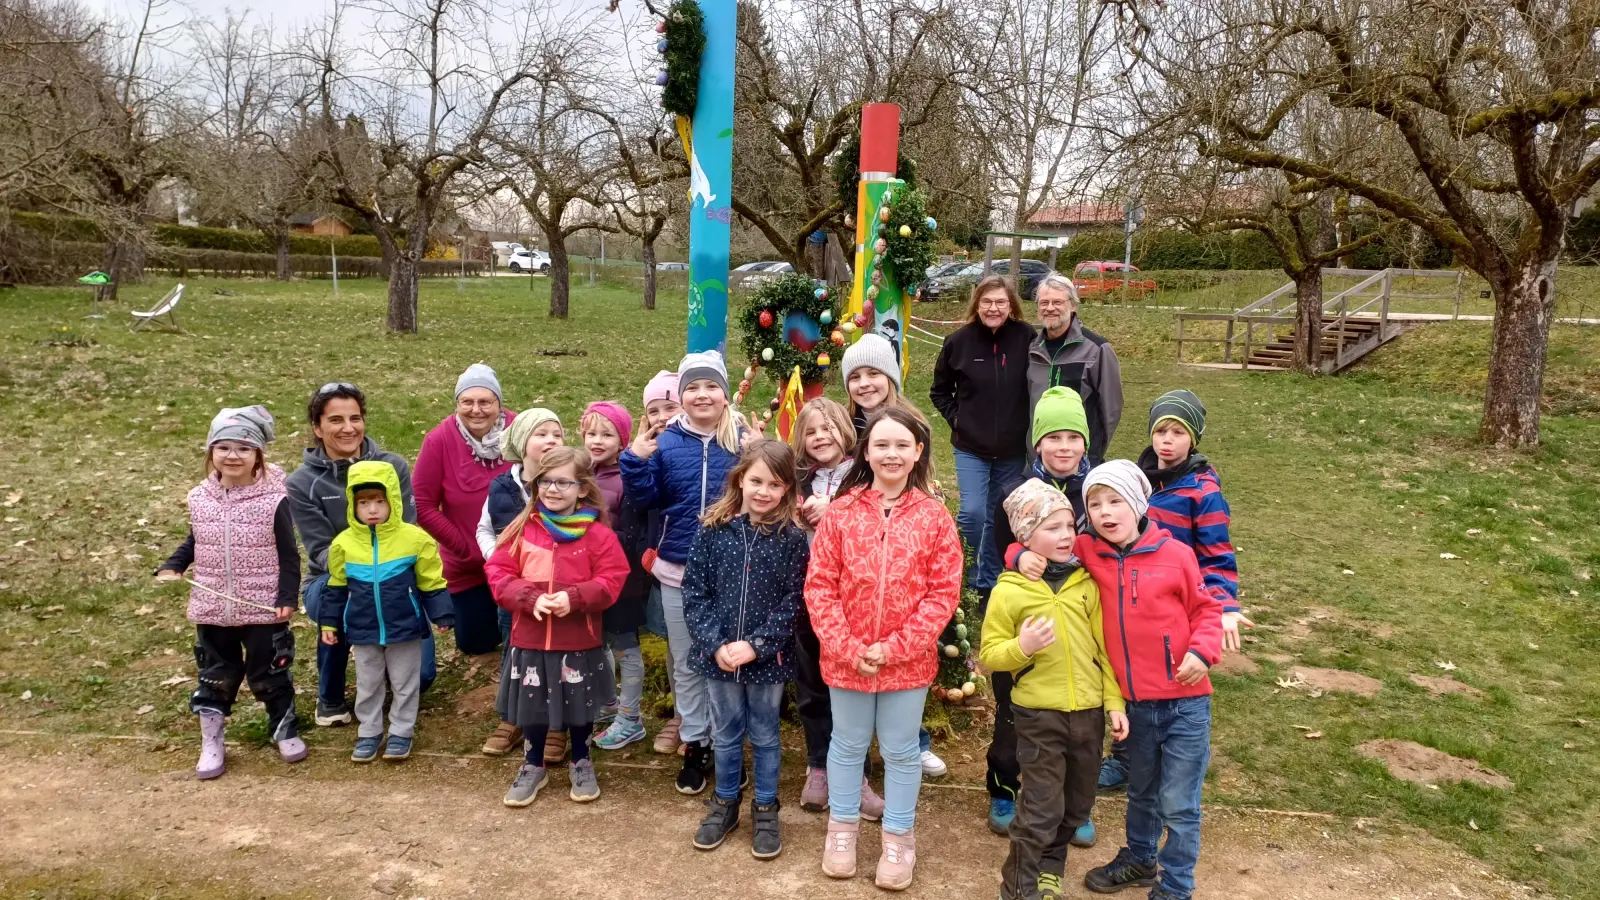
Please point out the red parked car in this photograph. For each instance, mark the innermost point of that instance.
(1104, 279)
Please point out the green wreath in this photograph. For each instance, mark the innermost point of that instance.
(909, 255)
(685, 38)
(847, 170)
(793, 292)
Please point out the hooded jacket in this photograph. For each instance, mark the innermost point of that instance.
(1005, 541)
(980, 386)
(385, 581)
(745, 584)
(1087, 364)
(685, 475)
(591, 570)
(317, 499)
(892, 579)
(1187, 501)
(1072, 674)
(451, 486)
(1155, 613)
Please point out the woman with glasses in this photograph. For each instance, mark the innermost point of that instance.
(337, 414)
(980, 386)
(1066, 354)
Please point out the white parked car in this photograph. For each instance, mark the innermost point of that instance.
(525, 260)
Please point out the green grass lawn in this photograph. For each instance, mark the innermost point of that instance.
(1345, 493)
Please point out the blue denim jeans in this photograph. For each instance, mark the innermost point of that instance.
(1169, 747)
(334, 659)
(655, 620)
(739, 711)
(896, 717)
(688, 687)
(982, 483)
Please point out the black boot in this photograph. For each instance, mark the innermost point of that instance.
(722, 817)
(766, 842)
(1122, 872)
(692, 778)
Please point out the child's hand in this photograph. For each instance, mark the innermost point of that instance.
(330, 637)
(168, 575)
(645, 443)
(866, 669)
(285, 613)
(732, 656)
(754, 433)
(1031, 565)
(1230, 629)
(557, 604)
(1191, 671)
(813, 508)
(1036, 634)
(442, 628)
(1119, 726)
(876, 655)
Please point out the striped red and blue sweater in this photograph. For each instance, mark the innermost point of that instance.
(1187, 501)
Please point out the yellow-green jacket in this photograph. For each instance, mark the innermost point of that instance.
(1072, 674)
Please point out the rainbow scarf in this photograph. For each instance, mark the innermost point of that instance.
(569, 527)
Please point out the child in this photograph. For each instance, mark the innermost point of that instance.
(1049, 632)
(679, 468)
(741, 593)
(247, 577)
(660, 406)
(885, 577)
(378, 570)
(556, 569)
(1166, 634)
(823, 439)
(527, 439)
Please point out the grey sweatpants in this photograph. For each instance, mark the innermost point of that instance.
(400, 665)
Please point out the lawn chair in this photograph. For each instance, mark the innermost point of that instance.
(165, 313)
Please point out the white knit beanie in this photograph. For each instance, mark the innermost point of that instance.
(1124, 477)
(706, 364)
(872, 351)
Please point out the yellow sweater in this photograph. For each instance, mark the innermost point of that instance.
(1072, 674)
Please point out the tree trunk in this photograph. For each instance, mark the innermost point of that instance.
(280, 235)
(1308, 320)
(1016, 263)
(113, 260)
(560, 276)
(403, 280)
(1524, 308)
(648, 241)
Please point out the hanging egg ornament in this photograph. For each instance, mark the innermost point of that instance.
(827, 315)
(847, 327)
(961, 630)
(749, 373)
(661, 27)
(819, 293)
(861, 320)
(661, 78)
(774, 404)
(872, 293)
(823, 360)
(766, 354)
(744, 386)
(969, 689)
(878, 246)
(838, 338)
(883, 214)
(955, 695)
(849, 221)
(966, 647)
(932, 223)
(765, 318)
(661, 46)
(952, 651)
(877, 276)
(905, 231)
(766, 415)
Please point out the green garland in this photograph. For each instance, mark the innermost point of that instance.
(962, 634)
(909, 256)
(847, 171)
(686, 41)
(790, 293)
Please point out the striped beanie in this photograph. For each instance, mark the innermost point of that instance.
(1182, 407)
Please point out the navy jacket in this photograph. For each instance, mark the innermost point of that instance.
(685, 475)
(744, 583)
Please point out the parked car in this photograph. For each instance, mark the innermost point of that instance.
(524, 260)
(753, 274)
(672, 267)
(950, 285)
(1105, 279)
(1033, 272)
(941, 269)
(503, 251)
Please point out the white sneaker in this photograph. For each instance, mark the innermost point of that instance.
(932, 765)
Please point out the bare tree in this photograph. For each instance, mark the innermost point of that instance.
(648, 196)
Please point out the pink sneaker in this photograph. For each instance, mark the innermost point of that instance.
(898, 864)
(839, 851)
(814, 796)
(212, 757)
(871, 803)
(292, 749)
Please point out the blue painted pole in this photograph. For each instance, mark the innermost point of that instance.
(711, 181)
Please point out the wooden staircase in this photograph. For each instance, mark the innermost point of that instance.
(1358, 337)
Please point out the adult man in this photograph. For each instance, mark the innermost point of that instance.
(1066, 354)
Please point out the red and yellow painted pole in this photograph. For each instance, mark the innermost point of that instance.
(877, 302)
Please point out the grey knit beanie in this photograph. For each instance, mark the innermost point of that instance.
(1124, 477)
(248, 425)
(872, 351)
(707, 364)
(478, 375)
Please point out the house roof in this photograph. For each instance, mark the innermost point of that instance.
(1077, 214)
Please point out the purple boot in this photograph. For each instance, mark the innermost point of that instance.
(211, 754)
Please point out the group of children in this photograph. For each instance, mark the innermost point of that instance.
(829, 561)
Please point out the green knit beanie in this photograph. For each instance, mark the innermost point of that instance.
(1182, 407)
(1060, 409)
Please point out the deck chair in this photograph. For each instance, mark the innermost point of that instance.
(164, 314)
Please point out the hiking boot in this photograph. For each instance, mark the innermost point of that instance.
(814, 796)
(330, 715)
(1119, 874)
(506, 736)
(871, 803)
(397, 749)
(620, 733)
(722, 817)
(667, 738)
(898, 864)
(767, 841)
(839, 849)
(933, 767)
(1083, 837)
(366, 749)
(1113, 775)
(1049, 886)
(212, 755)
(529, 780)
(585, 787)
(696, 766)
(1001, 812)
(555, 748)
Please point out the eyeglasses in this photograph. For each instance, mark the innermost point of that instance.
(559, 485)
(333, 386)
(477, 404)
(228, 450)
(994, 304)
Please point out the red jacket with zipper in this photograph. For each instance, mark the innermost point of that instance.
(894, 580)
(1156, 612)
(590, 569)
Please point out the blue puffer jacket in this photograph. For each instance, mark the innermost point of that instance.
(745, 583)
(686, 474)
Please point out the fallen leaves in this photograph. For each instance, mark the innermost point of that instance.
(144, 610)
(12, 499)
(1448, 556)
(144, 710)
(1446, 665)
(176, 679)
(27, 695)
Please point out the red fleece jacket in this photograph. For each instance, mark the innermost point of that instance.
(590, 569)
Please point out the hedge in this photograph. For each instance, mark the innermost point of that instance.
(70, 228)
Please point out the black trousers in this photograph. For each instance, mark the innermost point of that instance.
(812, 701)
(1060, 757)
(1003, 779)
(228, 655)
(477, 621)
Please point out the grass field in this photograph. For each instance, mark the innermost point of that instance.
(1374, 536)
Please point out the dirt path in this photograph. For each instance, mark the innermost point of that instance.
(106, 818)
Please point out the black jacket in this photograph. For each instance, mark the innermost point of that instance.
(980, 386)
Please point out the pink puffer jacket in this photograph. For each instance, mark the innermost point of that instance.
(234, 550)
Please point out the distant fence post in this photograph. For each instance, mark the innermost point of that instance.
(333, 250)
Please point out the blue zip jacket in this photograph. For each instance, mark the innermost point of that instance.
(1187, 501)
(745, 583)
(386, 581)
(686, 474)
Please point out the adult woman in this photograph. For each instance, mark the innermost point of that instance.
(980, 386)
(458, 459)
(337, 414)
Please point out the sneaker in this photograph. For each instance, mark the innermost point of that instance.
(366, 749)
(933, 767)
(839, 849)
(529, 780)
(898, 864)
(814, 796)
(767, 841)
(585, 787)
(696, 765)
(1160, 893)
(667, 738)
(397, 749)
(722, 817)
(506, 736)
(1049, 886)
(871, 803)
(555, 748)
(330, 715)
(212, 755)
(1083, 837)
(1122, 872)
(1001, 812)
(620, 733)
(1113, 775)
(608, 713)
(292, 749)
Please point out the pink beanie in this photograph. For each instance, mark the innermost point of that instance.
(662, 387)
(619, 417)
